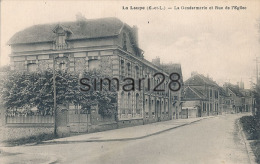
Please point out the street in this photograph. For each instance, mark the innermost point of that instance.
(209, 141)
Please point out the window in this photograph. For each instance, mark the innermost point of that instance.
(166, 107)
(122, 67)
(137, 72)
(60, 42)
(32, 67)
(216, 94)
(129, 103)
(137, 101)
(94, 64)
(146, 106)
(122, 99)
(153, 108)
(128, 69)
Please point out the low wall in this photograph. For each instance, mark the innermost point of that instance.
(150, 120)
(18, 132)
(165, 118)
(204, 114)
(128, 123)
(102, 127)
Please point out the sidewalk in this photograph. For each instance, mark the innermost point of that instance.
(21, 158)
(130, 133)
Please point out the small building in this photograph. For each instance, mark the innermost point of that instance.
(201, 93)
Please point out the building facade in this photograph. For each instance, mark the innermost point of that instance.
(108, 45)
(239, 99)
(201, 96)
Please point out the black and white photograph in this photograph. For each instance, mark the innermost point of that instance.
(130, 82)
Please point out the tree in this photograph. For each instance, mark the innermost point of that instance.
(256, 94)
(27, 90)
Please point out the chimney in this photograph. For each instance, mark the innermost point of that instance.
(194, 73)
(81, 19)
(242, 85)
(156, 61)
(135, 31)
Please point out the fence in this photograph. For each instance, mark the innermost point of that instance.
(35, 119)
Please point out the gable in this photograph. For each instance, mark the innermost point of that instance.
(192, 94)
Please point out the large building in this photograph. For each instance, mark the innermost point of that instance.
(108, 45)
(176, 97)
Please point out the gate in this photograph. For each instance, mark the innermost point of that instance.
(79, 122)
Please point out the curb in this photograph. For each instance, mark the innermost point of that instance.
(249, 151)
(122, 139)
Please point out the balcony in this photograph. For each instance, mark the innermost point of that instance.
(60, 46)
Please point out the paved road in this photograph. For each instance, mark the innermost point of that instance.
(210, 141)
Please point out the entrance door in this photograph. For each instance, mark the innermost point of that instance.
(199, 111)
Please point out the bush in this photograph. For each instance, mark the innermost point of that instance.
(251, 126)
(256, 149)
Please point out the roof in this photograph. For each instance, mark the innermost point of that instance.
(200, 80)
(235, 91)
(91, 28)
(222, 92)
(172, 68)
(192, 93)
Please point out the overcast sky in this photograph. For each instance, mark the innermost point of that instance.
(218, 43)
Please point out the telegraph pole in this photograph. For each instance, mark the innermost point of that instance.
(256, 62)
(54, 99)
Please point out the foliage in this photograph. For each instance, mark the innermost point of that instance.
(256, 94)
(251, 126)
(26, 90)
(256, 149)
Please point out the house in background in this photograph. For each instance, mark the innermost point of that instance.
(176, 99)
(201, 97)
(236, 98)
(224, 101)
(239, 99)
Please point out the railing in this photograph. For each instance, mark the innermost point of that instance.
(35, 119)
(61, 46)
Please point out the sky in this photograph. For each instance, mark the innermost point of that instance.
(221, 44)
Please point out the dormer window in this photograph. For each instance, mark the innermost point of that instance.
(61, 35)
(61, 39)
